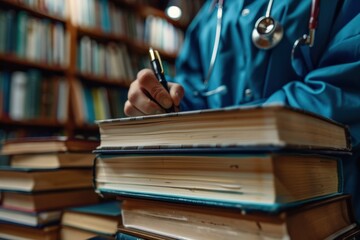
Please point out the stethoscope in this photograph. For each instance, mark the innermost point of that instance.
(266, 34)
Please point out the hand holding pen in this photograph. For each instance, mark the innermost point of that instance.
(150, 93)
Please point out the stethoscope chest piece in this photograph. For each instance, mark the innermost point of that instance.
(267, 33)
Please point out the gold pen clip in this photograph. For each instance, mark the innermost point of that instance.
(154, 54)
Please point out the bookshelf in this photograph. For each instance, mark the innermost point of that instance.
(90, 32)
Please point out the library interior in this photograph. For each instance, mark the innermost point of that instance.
(74, 166)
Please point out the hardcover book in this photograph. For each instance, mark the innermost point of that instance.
(45, 201)
(34, 180)
(16, 231)
(47, 144)
(32, 219)
(101, 218)
(52, 160)
(268, 181)
(277, 126)
(326, 219)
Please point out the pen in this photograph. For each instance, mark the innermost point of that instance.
(158, 69)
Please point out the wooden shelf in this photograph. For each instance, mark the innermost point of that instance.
(87, 127)
(32, 123)
(32, 11)
(98, 34)
(104, 80)
(14, 60)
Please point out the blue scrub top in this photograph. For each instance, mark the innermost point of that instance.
(330, 85)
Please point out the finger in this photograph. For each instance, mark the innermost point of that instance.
(149, 84)
(140, 100)
(177, 109)
(131, 111)
(176, 92)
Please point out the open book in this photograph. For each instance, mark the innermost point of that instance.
(276, 126)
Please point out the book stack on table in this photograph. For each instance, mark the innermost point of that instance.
(238, 173)
(44, 176)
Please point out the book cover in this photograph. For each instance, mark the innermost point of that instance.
(52, 160)
(110, 208)
(49, 200)
(35, 180)
(18, 92)
(102, 218)
(32, 219)
(17, 231)
(47, 144)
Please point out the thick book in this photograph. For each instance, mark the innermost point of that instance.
(277, 126)
(17, 231)
(32, 219)
(249, 181)
(34, 180)
(47, 144)
(46, 201)
(326, 219)
(52, 160)
(102, 218)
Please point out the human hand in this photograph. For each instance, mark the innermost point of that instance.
(147, 96)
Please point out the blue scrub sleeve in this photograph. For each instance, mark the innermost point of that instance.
(333, 88)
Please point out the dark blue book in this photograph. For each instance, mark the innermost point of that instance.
(102, 218)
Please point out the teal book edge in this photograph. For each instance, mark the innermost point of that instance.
(111, 208)
(124, 236)
(246, 207)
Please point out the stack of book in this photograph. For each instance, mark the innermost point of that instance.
(44, 176)
(240, 173)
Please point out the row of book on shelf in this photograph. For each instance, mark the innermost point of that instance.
(53, 7)
(33, 95)
(263, 173)
(32, 38)
(93, 103)
(109, 60)
(116, 19)
(44, 41)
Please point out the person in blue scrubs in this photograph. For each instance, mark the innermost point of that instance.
(326, 81)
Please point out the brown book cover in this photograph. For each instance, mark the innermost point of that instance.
(14, 231)
(46, 201)
(47, 144)
(35, 180)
